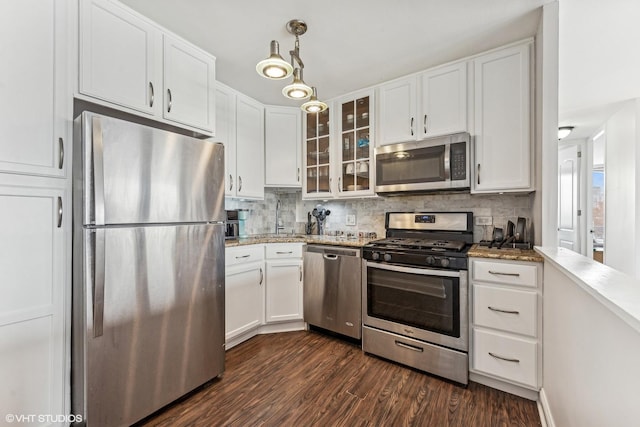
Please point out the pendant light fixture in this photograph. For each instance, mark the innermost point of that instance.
(313, 105)
(276, 68)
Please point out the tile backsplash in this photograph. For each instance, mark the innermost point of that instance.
(369, 213)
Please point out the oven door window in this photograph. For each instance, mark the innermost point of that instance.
(413, 166)
(422, 301)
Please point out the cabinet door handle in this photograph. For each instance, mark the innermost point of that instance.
(170, 100)
(506, 359)
(499, 273)
(340, 184)
(300, 269)
(152, 94)
(284, 252)
(239, 183)
(261, 276)
(230, 182)
(425, 123)
(411, 126)
(503, 311)
(59, 212)
(298, 176)
(60, 153)
(243, 256)
(478, 173)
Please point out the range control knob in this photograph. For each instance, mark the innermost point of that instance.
(375, 255)
(430, 260)
(444, 262)
(387, 257)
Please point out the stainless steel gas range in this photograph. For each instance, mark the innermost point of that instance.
(415, 292)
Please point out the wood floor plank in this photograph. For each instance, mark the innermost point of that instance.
(310, 379)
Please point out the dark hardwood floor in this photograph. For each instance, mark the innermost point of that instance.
(311, 379)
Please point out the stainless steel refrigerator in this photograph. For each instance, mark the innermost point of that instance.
(148, 268)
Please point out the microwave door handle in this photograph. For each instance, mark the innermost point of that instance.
(447, 162)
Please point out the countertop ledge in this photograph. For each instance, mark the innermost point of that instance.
(617, 291)
(528, 255)
(298, 238)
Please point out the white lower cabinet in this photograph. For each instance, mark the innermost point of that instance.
(262, 296)
(506, 325)
(244, 291)
(284, 282)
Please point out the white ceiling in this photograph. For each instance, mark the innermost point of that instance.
(358, 43)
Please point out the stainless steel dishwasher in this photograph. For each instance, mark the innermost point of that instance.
(333, 289)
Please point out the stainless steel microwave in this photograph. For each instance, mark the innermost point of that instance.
(434, 164)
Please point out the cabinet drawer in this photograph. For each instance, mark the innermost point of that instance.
(244, 254)
(284, 250)
(507, 273)
(505, 309)
(511, 358)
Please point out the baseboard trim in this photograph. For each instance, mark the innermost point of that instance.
(504, 386)
(545, 409)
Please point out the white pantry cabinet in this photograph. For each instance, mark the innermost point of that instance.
(284, 282)
(506, 324)
(35, 220)
(128, 62)
(283, 146)
(423, 105)
(244, 292)
(34, 88)
(503, 148)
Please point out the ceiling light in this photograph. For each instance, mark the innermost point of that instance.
(564, 131)
(297, 89)
(313, 105)
(274, 67)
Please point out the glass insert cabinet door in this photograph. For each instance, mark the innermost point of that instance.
(318, 153)
(355, 145)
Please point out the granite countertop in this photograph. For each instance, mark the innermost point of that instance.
(299, 238)
(528, 255)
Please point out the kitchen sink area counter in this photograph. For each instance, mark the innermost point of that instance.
(300, 238)
(527, 255)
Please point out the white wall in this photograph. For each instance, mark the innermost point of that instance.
(591, 359)
(621, 190)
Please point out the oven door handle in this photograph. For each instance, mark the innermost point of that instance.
(412, 270)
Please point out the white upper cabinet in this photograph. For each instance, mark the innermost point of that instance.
(117, 52)
(398, 111)
(249, 148)
(33, 88)
(226, 134)
(129, 62)
(283, 144)
(424, 105)
(503, 154)
(444, 101)
(189, 82)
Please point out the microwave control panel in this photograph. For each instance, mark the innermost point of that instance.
(458, 161)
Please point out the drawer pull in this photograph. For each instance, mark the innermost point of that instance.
(499, 273)
(243, 256)
(506, 359)
(503, 311)
(409, 347)
(284, 252)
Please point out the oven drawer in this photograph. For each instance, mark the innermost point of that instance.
(514, 359)
(505, 272)
(505, 309)
(417, 354)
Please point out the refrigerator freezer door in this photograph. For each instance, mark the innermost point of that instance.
(161, 307)
(135, 174)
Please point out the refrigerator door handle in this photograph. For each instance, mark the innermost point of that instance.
(98, 281)
(98, 170)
